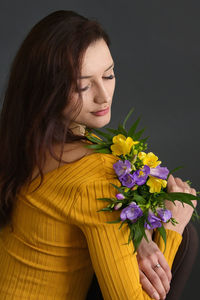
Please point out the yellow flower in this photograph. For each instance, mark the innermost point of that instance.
(151, 160)
(122, 145)
(141, 155)
(155, 184)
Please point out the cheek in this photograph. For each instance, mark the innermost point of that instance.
(87, 100)
(71, 106)
(112, 87)
(85, 109)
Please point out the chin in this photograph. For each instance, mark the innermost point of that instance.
(101, 122)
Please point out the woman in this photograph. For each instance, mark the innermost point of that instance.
(52, 238)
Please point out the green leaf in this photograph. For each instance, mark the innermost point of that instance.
(138, 134)
(118, 188)
(137, 237)
(113, 222)
(131, 234)
(92, 146)
(122, 130)
(195, 214)
(114, 131)
(106, 151)
(139, 198)
(189, 182)
(139, 232)
(138, 229)
(133, 127)
(162, 232)
(183, 197)
(127, 117)
(145, 139)
(174, 170)
(106, 135)
(145, 236)
(99, 146)
(122, 224)
(94, 139)
(105, 209)
(106, 199)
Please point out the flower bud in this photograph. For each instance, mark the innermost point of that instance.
(117, 206)
(119, 196)
(134, 188)
(135, 152)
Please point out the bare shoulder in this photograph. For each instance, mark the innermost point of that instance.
(75, 151)
(71, 153)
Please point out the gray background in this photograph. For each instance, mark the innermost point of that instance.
(156, 49)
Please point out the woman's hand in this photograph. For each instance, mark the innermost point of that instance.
(155, 280)
(181, 213)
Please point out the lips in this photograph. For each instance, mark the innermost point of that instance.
(101, 112)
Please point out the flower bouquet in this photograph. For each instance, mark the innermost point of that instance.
(142, 194)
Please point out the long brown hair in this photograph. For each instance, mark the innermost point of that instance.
(42, 77)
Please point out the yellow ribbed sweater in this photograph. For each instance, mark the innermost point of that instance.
(59, 239)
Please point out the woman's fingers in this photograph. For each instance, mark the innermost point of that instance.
(154, 280)
(193, 192)
(148, 287)
(186, 189)
(179, 182)
(182, 213)
(162, 276)
(173, 185)
(157, 277)
(165, 266)
(171, 182)
(177, 185)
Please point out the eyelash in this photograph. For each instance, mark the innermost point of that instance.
(107, 78)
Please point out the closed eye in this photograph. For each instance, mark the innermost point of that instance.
(105, 77)
(109, 77)
(83, 89)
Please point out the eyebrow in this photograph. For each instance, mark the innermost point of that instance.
(83, 77)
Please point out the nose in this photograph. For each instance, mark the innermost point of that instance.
(102, 94)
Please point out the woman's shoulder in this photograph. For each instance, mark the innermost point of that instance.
(77, 157)
(97, 163)
(76, 153)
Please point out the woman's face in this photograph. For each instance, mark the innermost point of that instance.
(97, 84)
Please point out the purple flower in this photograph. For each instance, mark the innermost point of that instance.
(164, 214)
(154, 222)
(140, 176)
(127, 180)
(131, 212)
(122, 168)
(159, 172)
(119, 196)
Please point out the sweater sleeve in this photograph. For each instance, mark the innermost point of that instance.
(173, 241)
(112, 258)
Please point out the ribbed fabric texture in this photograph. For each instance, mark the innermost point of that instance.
(59, 239)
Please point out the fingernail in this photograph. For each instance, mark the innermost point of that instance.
(156, 296)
